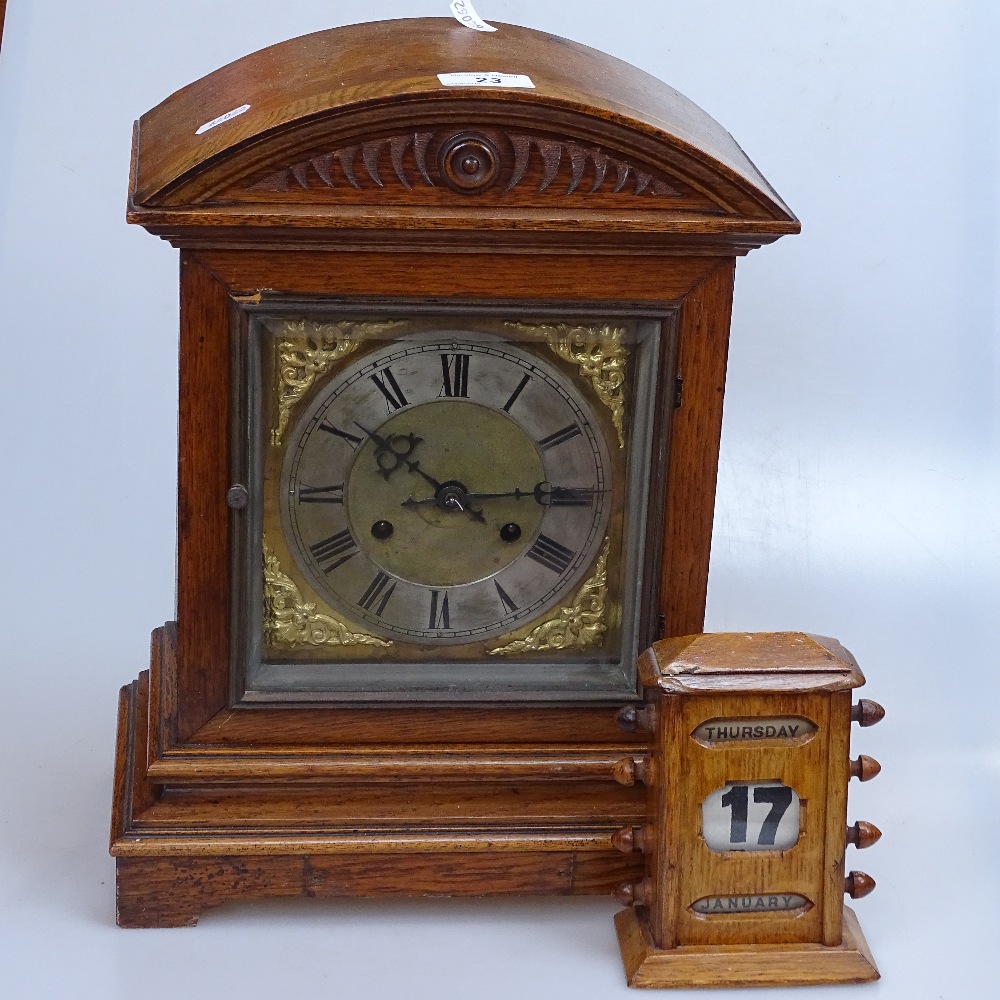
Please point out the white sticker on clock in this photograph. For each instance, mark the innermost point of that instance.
(466, 13)
(486, 80)
(222, 119)
(751, 816)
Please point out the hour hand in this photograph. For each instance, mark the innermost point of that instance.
(393, 451)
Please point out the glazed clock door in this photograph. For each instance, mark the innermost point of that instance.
(446, 507)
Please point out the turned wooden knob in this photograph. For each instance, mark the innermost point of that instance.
(635, 893)
(630, 839)
(469, 162)
(865, 768)
(858, 884)
(635, 719)
(863, 835)
(866, 713)
(629, 770)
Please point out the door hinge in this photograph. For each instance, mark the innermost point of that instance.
(678, 391)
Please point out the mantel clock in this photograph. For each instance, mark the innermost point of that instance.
(453, 341)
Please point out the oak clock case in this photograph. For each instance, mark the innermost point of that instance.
(410, 594)
(447, 508)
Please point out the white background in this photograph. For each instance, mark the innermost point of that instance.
(857, 497)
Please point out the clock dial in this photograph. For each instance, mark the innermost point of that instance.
(448, 488)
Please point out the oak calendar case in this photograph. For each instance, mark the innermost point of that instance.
(452, 362)
(747, 839)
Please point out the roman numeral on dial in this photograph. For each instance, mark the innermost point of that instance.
(335, 550)
(505, 598)
(352, 439)
(455, 374)
(517, 392)
(559, 437)
(571, 496)
(390, 389)
(551, 554)
(439, 610)
(321, 494)
(376, 597)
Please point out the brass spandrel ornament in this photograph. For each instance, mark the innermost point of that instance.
(581, 624)
(292, 621)
(307, 351)
(600, 354)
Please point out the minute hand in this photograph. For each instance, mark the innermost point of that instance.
(544, 493)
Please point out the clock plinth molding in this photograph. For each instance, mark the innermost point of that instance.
(340, 185)
(232, 833)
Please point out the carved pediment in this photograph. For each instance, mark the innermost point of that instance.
(445, 165)
(469, 162)
(312, 134)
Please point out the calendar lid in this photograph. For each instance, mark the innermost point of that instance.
(714, 662)
(440, 127)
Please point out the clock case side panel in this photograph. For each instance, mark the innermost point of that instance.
(692, 472)
(607, 678)
(200, 689)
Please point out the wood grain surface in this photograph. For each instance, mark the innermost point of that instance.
(203, 565)
(671, 942)
(362, 184)
(793, 662)
(175, 891)
(650, 967)
(305, 83)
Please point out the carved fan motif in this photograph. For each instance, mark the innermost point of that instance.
(437, 159)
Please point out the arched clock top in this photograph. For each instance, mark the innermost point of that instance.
(352, 127)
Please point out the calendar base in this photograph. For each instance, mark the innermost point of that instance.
(647, 966)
